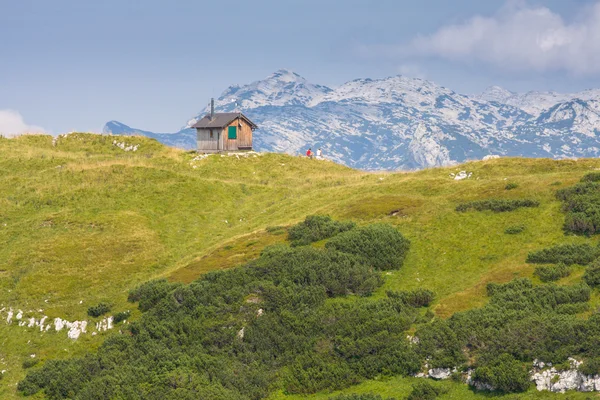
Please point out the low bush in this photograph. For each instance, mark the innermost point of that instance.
(98, 310)
(592, 275)
(497, 205)
(511, 186)
(515, 229)
(552, 273)
(590, 366)
(315, 228)
(121, 316)
(366, 396)
(150, 293)
(591, 177)
(504, 374)
(581, 203)
(415, 298)
(424, 390)
(568, 254)
(378, 245)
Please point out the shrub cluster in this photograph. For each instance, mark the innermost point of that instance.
(378, 245)
(497, 205)
(231, 334)
(592, 275)
(568, 254)
(315, 228)
(581, 203)
(121, 316)
(98, 310)
(511, 186)
(367, 396)
(591, 177)
(553, 272)
(416, 298)
(505, 374)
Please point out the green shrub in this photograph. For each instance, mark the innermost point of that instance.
(515, 229)
(98, 310)
(590, 366)
(497, 205)
(121, 316)
(552, 273)
(504, 374)
(415, 298)
(311, 374)
(315, 228)
(581, 203)
(568, 254)
(30, 362)
(378, 245)
(511, 186)
(592, 275)
(150, 293)
(424, 390)
(591, 177)
(366, 396)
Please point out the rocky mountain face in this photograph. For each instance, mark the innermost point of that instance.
(404, 123)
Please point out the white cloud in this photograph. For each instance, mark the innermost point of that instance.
(12, 124)
(518, 37)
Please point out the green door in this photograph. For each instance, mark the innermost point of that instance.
(232, 132)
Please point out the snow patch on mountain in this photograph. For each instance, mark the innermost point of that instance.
(403, 123)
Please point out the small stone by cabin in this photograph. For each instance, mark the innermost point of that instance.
(218, 132)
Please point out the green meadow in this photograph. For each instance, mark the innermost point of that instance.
(83, 221)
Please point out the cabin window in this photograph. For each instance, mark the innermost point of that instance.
(232, 132)
(211, 134)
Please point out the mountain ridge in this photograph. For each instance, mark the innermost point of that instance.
(404, 123)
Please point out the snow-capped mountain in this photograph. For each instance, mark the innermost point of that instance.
(404, 123)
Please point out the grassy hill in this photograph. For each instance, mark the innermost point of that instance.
(82, 222)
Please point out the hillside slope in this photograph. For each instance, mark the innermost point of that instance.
(84, 221)
(401, 123)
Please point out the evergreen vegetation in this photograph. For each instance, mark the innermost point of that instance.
(581, 203)
(378, 245)
(568, 254)
(553, 272)
(497, 205)
(231, 333)
(315, 228)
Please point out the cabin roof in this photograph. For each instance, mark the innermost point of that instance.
(221, 120)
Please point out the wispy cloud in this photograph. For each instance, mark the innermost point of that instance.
(519, 37)
(12, 124)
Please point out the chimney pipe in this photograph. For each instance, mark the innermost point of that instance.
(212, 109)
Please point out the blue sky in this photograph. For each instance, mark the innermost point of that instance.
(75, 64)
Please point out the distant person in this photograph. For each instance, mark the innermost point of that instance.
(319, 154)
(309, 153)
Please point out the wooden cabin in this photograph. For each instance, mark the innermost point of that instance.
(224, 132)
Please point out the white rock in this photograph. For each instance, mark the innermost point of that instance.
(240, 334)
(31, 322)
(58, 324)
(440, 373)
(259, 312)
(9, 316)
(19, 315)
(461, 175)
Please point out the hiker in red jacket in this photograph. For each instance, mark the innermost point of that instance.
(309, 153)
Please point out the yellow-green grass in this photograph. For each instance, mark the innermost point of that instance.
(84, 221)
